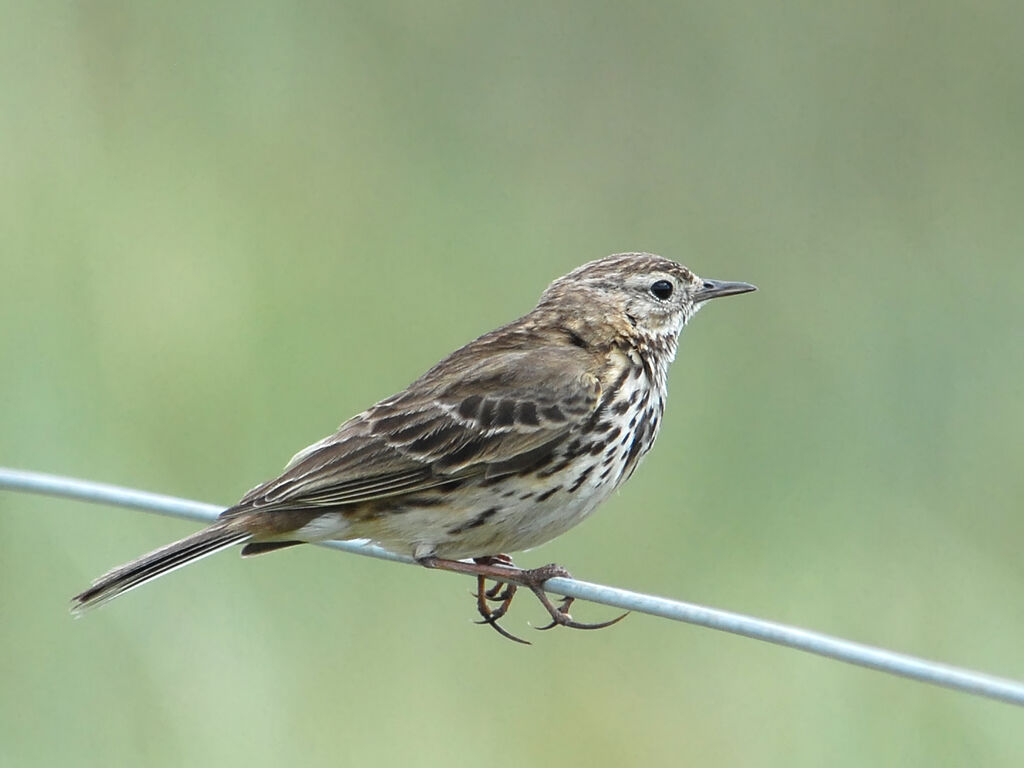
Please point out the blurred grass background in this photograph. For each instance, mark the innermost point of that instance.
(228, 227)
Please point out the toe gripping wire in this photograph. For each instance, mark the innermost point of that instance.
(507, 578)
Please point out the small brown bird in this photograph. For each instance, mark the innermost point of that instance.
(503, 445)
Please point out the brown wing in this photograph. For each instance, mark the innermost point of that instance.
(470, 416)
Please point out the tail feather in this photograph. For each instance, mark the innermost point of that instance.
(164, 560)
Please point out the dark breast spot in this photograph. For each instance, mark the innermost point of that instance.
(476, 522)
(581, 479)
(576, 448)
(554, 469)
(548, 493)
(642, 426)
(636, 450)
(616, 386)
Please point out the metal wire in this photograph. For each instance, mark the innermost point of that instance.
(805, 640)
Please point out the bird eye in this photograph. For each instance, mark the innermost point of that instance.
(661, 289)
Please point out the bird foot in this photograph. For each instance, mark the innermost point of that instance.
(507, 579)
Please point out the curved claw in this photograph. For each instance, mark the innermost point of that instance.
(569, 622)
(493, 621)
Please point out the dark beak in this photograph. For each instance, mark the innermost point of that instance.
(713, 289)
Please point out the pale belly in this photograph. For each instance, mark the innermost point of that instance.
(514, 514)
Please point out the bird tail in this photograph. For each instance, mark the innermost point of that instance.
(164, 560)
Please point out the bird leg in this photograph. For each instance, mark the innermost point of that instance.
(507, 578)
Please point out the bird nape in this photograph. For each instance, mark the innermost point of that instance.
(503, 445)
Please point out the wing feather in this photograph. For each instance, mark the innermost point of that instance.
(468, 417)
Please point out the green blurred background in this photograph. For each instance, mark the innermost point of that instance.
(227, 228)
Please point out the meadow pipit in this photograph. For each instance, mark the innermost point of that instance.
(503, 445)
